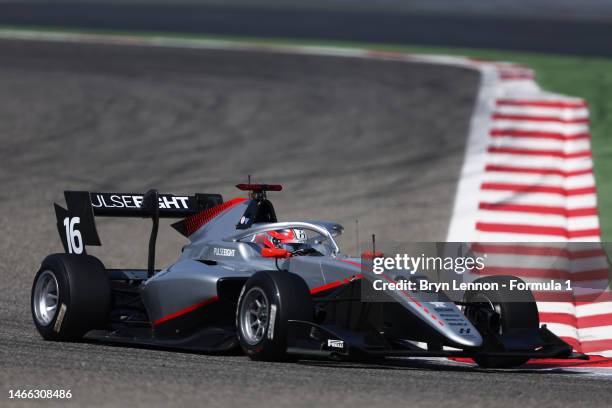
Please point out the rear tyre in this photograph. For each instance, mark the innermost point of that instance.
(70, 296)
(268, 300)
(516, 310)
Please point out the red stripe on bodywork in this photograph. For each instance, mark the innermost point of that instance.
(194, 222)
(334, 284)
(327, 287)
(341, 282)
(185, 310)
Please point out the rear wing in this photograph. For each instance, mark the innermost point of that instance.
(130, 205)
(76, 224)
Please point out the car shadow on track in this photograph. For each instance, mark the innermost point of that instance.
(438, 364)
(432, 364)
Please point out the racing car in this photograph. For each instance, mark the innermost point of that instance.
(276, 290)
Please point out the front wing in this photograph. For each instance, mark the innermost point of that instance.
(324, 341)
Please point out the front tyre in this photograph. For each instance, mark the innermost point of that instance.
(70, 296)
(268, 300)
(515, 309)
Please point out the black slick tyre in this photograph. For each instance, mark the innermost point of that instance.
(516, 310)
(70, 296)
(268, 300)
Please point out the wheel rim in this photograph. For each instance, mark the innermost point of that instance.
(46, 294)
(254, 315)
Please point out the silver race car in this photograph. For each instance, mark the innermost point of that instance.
(276, 290)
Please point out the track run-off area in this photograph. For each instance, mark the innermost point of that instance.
(350, 134)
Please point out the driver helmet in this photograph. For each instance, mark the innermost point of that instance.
(290, 239)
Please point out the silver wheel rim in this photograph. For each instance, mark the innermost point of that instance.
(46, 294)
(254, 314)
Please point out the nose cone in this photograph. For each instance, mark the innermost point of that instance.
(472, 339)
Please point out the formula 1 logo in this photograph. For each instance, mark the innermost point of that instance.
(333, 343)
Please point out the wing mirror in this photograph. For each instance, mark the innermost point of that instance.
(274, 253)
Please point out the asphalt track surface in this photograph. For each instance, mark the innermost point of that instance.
(561, 35)
(379, 141)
